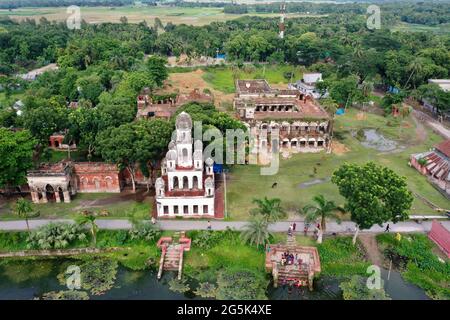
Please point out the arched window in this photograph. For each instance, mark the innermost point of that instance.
(185, 183)
(108, 182)
(195, 183)
(185, 154)
(175, 183)
(97, 183)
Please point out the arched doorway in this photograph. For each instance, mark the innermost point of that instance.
(50, 192)
(61, 194)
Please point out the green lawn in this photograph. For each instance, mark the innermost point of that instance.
(221, 78)
(96, 202)
(245, 182)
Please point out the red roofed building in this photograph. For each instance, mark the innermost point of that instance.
(435, 164)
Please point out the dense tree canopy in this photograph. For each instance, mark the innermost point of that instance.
(374, 194)
(16, 152)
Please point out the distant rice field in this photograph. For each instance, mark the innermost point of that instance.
(409, 27)
(134, 14)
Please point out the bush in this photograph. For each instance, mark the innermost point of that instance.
(339, 256)
(145, 232)
(55, 236)
(112, 238)
(205, 239)
(13, 240)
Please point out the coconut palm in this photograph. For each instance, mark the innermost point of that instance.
(269, 209)
(322, 209)
(89, 219)
(256, 231)
(24, 210)
(416, 67)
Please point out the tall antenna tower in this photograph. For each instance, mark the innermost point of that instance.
(282, 17)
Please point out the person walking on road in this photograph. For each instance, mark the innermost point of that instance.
(209, 225)
(387, 228)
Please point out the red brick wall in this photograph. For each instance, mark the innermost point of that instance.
(96, 177)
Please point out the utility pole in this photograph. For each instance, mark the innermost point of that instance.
(282, 17)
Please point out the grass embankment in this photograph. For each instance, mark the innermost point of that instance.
(210, 253)
(307, 167)
(134, 254)
(414, 256)
(115, 204)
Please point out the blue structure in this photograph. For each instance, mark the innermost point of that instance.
(340, 111)
(221, 56)
(217, 168)
(394, 90)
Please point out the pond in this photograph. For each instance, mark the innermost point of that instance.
(375, 140)
(30, 279)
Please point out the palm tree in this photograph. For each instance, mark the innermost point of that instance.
(367, 88)
(90, 220)
(24, 210)
(416, 66)
(270, 209)
(358, 52)
(322, 209)
(256, 231)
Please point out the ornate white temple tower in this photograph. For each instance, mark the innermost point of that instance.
(186, 187)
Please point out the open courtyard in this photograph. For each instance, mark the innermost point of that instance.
(303, 176)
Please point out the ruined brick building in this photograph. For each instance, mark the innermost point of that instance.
(303, 125)
(165, 105)
(59, 182)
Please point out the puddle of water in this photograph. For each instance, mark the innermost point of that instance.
(307, 184)
(375, 140)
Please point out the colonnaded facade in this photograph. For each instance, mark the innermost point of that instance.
(59, 182)
(186, 186)
(303, 125)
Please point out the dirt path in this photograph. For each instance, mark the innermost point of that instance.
(371, 248)
(188, 81)
(421, 133)
(437, 127)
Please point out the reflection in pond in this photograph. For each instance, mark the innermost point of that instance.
(16, 283)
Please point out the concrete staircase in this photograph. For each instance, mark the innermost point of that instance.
(285, 274)
(172, 258)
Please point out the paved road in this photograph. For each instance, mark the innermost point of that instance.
(115, 224)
